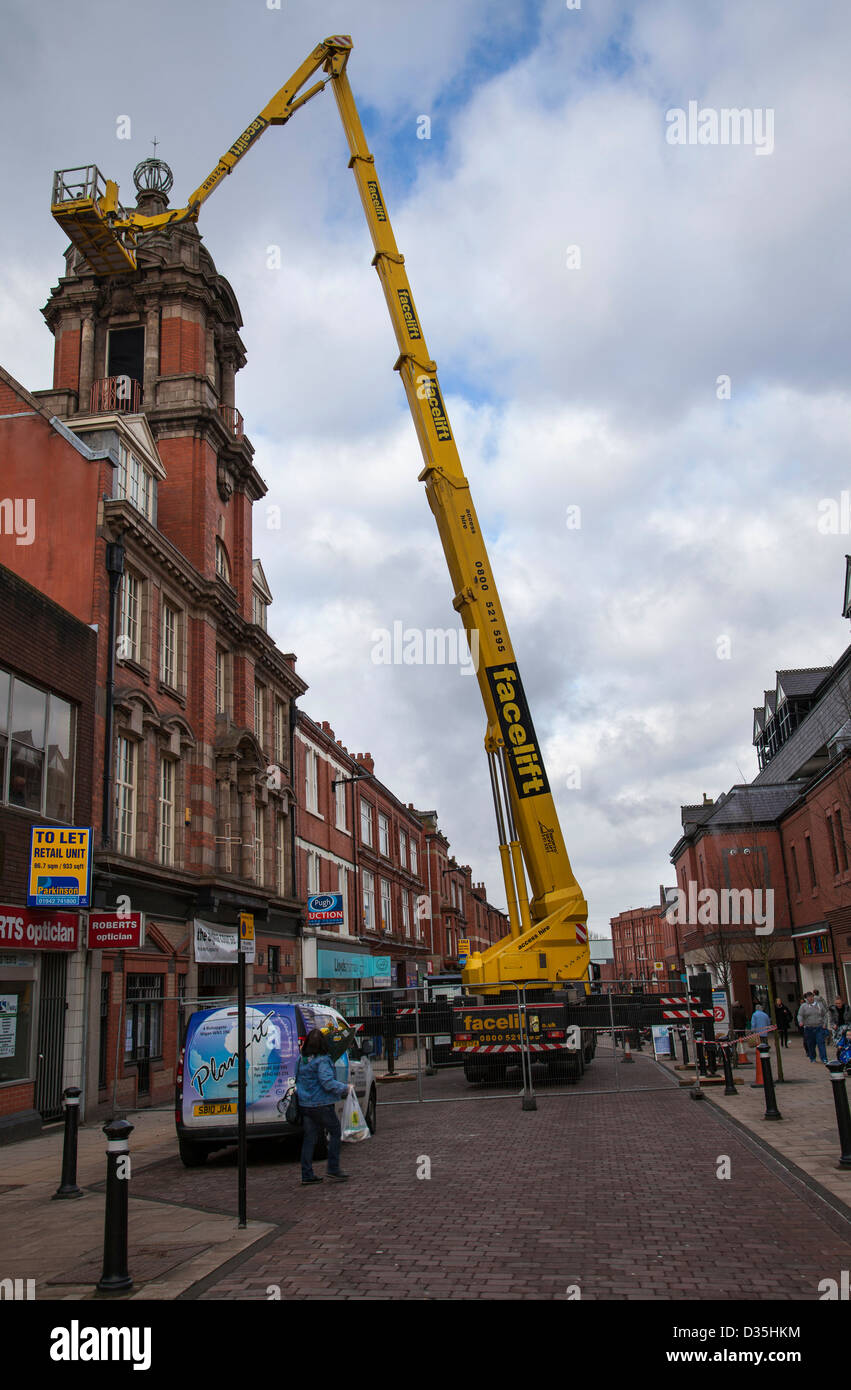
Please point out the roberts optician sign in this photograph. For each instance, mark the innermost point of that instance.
(39, 931)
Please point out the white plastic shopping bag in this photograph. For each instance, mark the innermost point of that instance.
(353, 1123)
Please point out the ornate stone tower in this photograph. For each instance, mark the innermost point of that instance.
(165, 340)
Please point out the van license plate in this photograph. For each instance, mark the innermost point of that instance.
(219, 1107)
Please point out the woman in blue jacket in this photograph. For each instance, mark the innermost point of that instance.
(318, 1089)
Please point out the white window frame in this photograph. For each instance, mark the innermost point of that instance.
(259, 845)
(311, 791)
(313, 871)
(368, 899)
(406, 912)
(260, 711)
(134, 482)
(258, 606)
(170, 646)
(130, 617)
(412, 854)
(403, 849)
(126, 765)
(386, 906)
(343, 890)
(165, 811)
(280, 852)
(366, 822)
(384, 834)
(222, 560)
(281, 733)
(340, 806)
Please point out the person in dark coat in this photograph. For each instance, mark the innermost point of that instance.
(739, 1018)
(784, 1021)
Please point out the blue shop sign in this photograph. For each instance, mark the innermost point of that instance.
(339, 965)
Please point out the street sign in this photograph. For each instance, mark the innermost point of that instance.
(60, 867)
(720, 1008)
(658, 965)
(246, 935)
(109, 931)
(463, 950)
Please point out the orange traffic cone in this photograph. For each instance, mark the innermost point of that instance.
(627, 1056)
(757, 1081)
(741, 1054)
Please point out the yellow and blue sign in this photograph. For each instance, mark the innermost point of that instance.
(60, 867)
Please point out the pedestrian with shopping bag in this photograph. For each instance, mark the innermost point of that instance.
(318, 1089)
(354, 1125)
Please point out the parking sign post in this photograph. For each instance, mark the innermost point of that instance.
(246, 948)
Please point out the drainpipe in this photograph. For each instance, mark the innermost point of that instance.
(300, 925)
(115, 569)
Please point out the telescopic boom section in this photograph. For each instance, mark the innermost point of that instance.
(548, 936)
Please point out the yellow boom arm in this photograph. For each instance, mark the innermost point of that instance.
(548, 933)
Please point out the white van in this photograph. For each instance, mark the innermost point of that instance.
(206, 1088)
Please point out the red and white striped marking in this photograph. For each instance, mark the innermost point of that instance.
(510, 1047)
(669, 999)
(399, 1012)
(581, 932)
(684, 1013)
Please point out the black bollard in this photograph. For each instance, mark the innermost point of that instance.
(672, 1045)
(711, 1058)
(68, 1186)
(684, 1045)
(771, 1111)
(843, 1114)
(700, 1049)
(729, 1087)
(115, 1278)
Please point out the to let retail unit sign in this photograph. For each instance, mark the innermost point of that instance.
(60, 867)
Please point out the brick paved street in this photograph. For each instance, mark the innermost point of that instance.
(614, 1192)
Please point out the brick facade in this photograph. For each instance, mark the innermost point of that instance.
(200, 816)
(45, 647)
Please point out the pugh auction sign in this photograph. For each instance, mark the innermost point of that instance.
(60, 867)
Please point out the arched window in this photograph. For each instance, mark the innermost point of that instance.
(222, 562)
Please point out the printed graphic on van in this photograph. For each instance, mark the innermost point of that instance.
(271, 1054)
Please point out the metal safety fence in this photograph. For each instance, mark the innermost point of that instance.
(442, 1042)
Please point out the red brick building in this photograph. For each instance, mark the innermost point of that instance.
(355, 838)
(47, 696)
(143, 483)
(788, 833)
(459, 909)
(641, 942)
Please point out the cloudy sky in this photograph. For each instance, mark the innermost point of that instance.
(583, 283)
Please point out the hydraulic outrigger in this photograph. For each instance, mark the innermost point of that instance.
(548, 939)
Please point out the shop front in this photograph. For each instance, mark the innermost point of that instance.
(42, 974)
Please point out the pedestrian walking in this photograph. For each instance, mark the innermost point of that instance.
(739, 1018)
(784, 1020)
(811, 1020)
(839, 1013)
(760, 1021)
(318, 1089)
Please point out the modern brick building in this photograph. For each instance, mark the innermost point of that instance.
(142, 485)
(47, 696)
